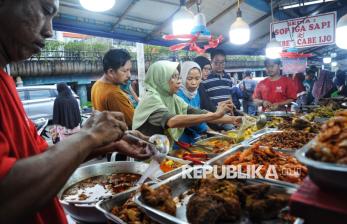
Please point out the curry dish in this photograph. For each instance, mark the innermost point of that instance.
(101, 186)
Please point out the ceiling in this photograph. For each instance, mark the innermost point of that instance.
(147, 20)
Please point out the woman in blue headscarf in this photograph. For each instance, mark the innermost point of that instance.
(191, 78)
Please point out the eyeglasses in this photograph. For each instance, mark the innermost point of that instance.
(219, 63)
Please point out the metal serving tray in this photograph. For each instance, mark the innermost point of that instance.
(203, 141)
(290, 151)
(263, 131)
(88, 212)
(105, 206)
(326, 175)
(180, 185)
(258, 134)
(162, 176)
(219, 160)
(279, 114)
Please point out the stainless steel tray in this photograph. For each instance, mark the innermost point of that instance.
(203, 141)
(88, 212)
(279, 114)
(105, 206)
(326, 175)
(258, 134)
(263, 131)
(162, 176)
(219, 160)
(179, 186)
(285, 150)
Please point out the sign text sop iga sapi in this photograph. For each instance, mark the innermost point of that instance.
(306, 31)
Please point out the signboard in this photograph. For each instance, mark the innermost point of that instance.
(306, 31)
(294, 65)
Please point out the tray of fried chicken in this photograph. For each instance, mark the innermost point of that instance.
(121, 209)
(210, 200)
(275, 166)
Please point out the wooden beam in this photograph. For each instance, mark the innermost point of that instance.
(157, 30)
(225, 11)
(121, 17)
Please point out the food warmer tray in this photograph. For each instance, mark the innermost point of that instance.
(245, 142)
(263, 131)
(279, 114)
(325, 175)
(106, 205)
(180, 185)
(284, 150)
(162, 176)
(203, 141)
(219, 160)
(88, 212)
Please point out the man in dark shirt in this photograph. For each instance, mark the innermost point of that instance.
(218, 84)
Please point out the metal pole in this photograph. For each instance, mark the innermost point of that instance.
(8, 69)
(141, 68)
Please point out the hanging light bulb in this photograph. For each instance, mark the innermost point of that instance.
(273, 48)
(327, 60)
(98, 6)
(334, 64)
(341, 32)
(239, 31)
(183, 21)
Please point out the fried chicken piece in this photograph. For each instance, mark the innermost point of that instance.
(214, 201)
(267, 207)
(160, 198)
(256, 190)
(209, 208)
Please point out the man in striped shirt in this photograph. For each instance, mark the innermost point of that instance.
(218, 84)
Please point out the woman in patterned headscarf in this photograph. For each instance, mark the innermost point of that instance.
(323, 85)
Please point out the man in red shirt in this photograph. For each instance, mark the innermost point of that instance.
(31, 173)
(275, 91)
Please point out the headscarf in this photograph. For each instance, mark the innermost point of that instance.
(299, 82)
(185, 69)
(202, 61)
(340, 78)
(158, 96)
(323, 84)
(66, 111)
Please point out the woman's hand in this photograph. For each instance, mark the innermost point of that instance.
(237, 120)
(223, 108)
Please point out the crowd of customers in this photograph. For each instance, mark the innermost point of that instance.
(185, 100)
